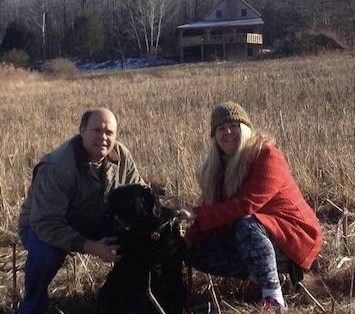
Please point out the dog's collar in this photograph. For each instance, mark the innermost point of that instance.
(155, 235)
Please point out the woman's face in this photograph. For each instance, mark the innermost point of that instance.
(228, 136)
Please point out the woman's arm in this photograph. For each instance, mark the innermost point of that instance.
(263, 181)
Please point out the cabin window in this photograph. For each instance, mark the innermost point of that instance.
(243, 12)
(218, 13)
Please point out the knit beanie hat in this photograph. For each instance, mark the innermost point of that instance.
(228, 112)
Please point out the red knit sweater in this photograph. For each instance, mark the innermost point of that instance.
(270, 194)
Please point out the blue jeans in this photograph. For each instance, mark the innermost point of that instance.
(246, 251)
(42, 264)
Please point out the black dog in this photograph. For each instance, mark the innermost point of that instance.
(148, 276)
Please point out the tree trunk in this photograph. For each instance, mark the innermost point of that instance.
(44, 52)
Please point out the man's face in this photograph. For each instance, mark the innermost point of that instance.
(99, 135)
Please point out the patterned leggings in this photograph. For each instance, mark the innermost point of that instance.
(248, 251)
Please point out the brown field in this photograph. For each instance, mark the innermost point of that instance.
(307, 104)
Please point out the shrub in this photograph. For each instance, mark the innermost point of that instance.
(60, 68)
(17, 57)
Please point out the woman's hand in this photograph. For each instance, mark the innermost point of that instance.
(185, 214)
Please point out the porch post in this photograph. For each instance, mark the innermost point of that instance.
(181, 46)
(224, 46)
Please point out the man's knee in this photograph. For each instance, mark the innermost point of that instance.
(46, 260)
(43, 260)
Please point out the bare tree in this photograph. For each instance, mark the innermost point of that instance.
(147, 21)
(35, 13)
(118, 35)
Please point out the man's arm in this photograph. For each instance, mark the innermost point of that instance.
(52, 190)
(51, 193)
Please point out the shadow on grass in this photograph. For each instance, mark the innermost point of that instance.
(76, 304)
(73, 304)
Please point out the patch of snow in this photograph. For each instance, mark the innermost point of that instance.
(116, 65)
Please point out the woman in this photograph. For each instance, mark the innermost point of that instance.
(252, 214)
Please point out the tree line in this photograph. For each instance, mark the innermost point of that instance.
(104, 29)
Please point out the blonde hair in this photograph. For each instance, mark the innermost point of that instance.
(233, 173)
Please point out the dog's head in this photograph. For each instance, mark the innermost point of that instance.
(134, 209)
(144, 227)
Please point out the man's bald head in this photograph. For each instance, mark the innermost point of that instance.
(87, 114)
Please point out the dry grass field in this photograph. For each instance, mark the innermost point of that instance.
(307, 104)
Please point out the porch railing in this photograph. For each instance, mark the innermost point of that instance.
(246, 38)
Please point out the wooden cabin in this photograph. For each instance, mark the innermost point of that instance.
(233, 30)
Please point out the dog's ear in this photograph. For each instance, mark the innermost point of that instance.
(148, 198)
(158, 188)
(157, 208)
(151, 201)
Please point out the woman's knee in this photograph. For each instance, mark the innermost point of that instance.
(247, 226)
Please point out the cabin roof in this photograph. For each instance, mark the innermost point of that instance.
(215, 24)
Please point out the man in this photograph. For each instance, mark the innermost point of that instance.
(66, 207)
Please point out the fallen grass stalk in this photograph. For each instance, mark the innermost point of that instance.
(213, 294)
(229, 306)
(312, 297)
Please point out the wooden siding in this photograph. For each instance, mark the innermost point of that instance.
(231, 9)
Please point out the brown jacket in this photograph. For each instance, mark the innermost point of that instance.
(68, 198)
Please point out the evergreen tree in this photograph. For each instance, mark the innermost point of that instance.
(18, 36)
(87, 38)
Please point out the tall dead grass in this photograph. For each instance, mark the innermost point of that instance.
(306, 103)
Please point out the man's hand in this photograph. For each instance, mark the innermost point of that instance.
(103, 249)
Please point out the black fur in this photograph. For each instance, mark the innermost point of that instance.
(125, 290)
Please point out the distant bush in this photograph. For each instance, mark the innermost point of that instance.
(60, 68)
(17, 57)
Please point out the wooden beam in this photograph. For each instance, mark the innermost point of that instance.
(203, 38)
(181, 46)
(224, 46)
